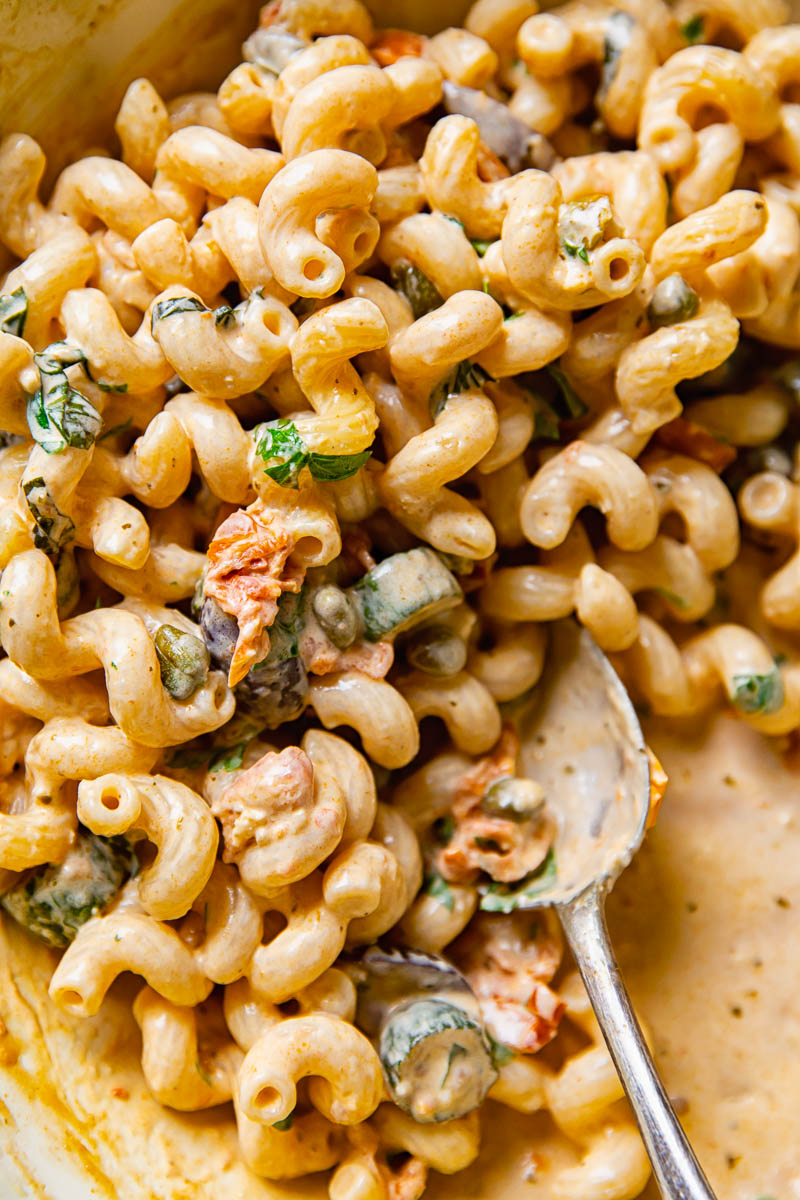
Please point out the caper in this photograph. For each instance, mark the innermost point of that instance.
(336, 614)
(436, 650)
(673, 301)
(183, 659)
(514, 799)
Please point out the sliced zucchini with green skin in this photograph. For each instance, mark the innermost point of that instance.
(55, 900)
(436, 1060)
(403, 590)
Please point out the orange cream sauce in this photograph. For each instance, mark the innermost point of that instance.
(706, 923)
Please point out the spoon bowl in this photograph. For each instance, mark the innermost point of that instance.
(581, 739)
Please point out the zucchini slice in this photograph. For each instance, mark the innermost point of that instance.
(436, 1060)
(55, 900)
(403, 590)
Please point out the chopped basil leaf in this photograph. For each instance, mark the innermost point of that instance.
(500, 1054)
(62, 417)
(418, 290)
(545, 420)
(575, 406)
(189, 759)
(437, 886)
(118, 389)
(53, 529)
(178, 304)
(499, 897)
(481, 245)
(58, 356)
(230, 758)
(59, 415)
(123, 427)
(13, 312)
(284, 1125)
(278, 442)
(672, 597)
(758, 693)
(330, 468)
(460, 378)
(224, 316)
(204, 1075)
(694, 29)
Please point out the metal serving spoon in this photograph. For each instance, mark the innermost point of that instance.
(580, 738)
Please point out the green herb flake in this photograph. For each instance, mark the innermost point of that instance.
(284, 1125)
(545, 422)
(201, 1071)
(420, 292)
(278, 443)
(455, 220)
(461, 378)
(62, 417)
(115, 430)
(574, 251)
(53, 530)
(170, 308)
(224, 316)
(118, 389)
(575, 406)
(281, 447)
(694, 29)
(14, 312)
(58, 415)
(500, 897)
(501, 1055)
(189, 758)
(230, 758)
(330, 468)
(437, 886)
(672, 598)
(754, 694)
(481, 245)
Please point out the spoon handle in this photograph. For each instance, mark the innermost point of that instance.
(677, 1171)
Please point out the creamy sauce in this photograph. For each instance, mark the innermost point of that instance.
(706, 922)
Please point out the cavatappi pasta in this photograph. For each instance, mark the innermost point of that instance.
(305, 397)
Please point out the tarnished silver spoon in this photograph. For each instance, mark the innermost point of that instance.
(580, 737)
